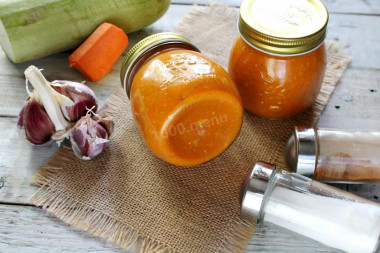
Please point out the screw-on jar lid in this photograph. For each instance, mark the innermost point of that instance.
(145, 49)
(301, 151)
(283, 26)
(252, 192)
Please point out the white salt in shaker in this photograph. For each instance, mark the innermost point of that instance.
(316, 210)
(335, 155)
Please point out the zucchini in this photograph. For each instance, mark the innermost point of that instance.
(30, 29)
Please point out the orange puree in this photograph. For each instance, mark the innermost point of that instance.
(187, 107)
(276, 86)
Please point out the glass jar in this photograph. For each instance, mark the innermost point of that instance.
(334, 155)
(186, 106)
(278, 61)
(316, 210)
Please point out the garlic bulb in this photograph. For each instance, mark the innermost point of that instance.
(89, 136)
(55, 105)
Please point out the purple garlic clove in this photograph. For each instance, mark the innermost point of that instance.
(106, 122)
(88, 138)
(82, 96)
(36, 122)
(20, 120)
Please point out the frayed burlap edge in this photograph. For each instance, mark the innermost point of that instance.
(81, 215)
(101, 225)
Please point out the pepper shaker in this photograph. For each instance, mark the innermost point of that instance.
(333, 155)
(316, 210)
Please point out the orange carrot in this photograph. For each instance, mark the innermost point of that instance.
(97, 55)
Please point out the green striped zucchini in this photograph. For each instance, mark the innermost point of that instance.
(31, 29)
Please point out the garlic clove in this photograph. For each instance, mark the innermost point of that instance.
(97, 147)
(88, 138)
(95, 129)
(82, 97)
(106, 122)
(20, 120)
(36, 122)
(82, 102)
(79, 134)
(63, 102)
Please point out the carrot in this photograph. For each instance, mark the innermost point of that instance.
(97, 55)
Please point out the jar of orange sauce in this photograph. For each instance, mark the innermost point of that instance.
(186, 106)
(278, 61)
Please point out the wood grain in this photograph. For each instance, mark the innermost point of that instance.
(30, 229)
(19, 161)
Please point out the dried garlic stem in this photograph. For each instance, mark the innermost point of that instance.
(45, 93)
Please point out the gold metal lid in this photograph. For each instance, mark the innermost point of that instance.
(146, 48)
(283, 26)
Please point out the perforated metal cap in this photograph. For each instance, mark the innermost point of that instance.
(301, 151)
(252, 191)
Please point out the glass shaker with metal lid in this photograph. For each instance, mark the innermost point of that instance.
(334, 155)
(336, 218)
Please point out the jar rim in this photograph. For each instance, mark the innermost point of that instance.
(286, 29)
(144, 49)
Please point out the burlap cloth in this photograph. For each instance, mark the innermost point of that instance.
(132, 198)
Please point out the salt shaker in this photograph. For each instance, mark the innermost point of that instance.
(333, 155)
(316, 210)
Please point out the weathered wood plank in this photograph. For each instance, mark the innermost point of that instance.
(19, 161)
(346, 28)
(362, 36)
(30, 229)
(273, 238)
(355, 102)
(334, 6)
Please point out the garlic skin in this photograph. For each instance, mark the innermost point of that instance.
(89, 136)
(106, 122)
(36, 122)
(81, 97)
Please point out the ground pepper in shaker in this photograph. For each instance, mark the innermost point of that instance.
(336, 218)
(333, 155)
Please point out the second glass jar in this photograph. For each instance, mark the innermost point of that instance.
(186, 106)
(278, 61)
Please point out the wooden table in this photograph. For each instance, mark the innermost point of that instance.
(25, 228)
